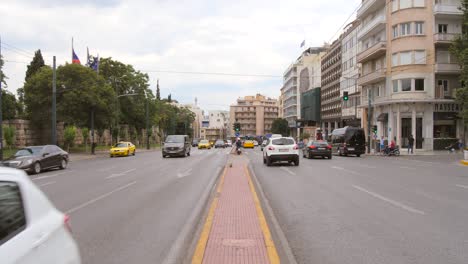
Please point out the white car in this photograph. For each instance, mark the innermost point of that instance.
(32, 230)
(228, 143)
(255, 143)
(281, 149)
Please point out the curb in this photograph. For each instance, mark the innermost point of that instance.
(464, 162)
(285, 251)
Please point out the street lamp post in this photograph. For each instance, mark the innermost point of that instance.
(369, 120)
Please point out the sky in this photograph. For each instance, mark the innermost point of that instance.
(160, 37)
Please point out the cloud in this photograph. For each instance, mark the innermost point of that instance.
(245, 37)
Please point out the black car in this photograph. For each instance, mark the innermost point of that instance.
(35, 159)
(176, 145)
(348, 141)
(195, 143)
(317, 148)
(219, 144)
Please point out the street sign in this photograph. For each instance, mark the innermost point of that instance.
(237, 134)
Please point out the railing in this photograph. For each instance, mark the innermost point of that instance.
(372, 77)
(448, 9)
(447, 68)
(380, 19)
(444, 37)
(365, 6)
(377, 48)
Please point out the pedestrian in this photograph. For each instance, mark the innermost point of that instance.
(460, 145)
(410, 144)
(382, 144)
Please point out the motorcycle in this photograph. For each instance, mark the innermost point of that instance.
(391, 152)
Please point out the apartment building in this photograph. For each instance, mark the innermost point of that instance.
(255, 114)
(301, 76)
(213, 134)
(350, 113)
(330, 108)
(407, 73)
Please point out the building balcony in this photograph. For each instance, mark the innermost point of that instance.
(373, 77)
(369, 6)
(448, 9)
(375, 25)
(441, 93)
(373, 52)
(444, 38)
(447, 68)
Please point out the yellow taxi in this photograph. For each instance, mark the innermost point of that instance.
(122, 149)
(249, 144)
(204, 144)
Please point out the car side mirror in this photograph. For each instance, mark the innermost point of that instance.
(45, 154)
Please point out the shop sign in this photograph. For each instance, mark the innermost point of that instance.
(447, 107)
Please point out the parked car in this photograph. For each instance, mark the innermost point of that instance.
(248, 144)
(348, 140)
(176, 145)
(228, 143)
(219, 144)
(122, 149)
(32, 230)
(204, 144)
(35, 159)
(195, 143)
(281, 149)
(317, 148)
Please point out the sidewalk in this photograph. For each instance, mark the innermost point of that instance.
(235, 230)
(419, 152)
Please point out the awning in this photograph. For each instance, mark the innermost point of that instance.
(383, 117)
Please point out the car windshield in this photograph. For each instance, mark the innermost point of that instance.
(175, 139)
(320, 143)
(219, 142)
(28, 151)
(283, 141)
(120, 145)
(204, 141)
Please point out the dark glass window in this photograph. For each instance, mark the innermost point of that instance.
(12, 215)
(419, 84)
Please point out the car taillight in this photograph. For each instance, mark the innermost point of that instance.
(296, 146)
(329, 147)
(66, 223)
(312, 147)
(271, 148)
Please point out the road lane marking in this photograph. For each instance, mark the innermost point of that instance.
(288, 170)
(268, 239)
(366, 166)
(108, 168)
(408, 168)
(185, 173)
(74, 209)
(462, 186)
(345, 170)
(390, 201)
(116, 175)
(49, 176)
(45, 184)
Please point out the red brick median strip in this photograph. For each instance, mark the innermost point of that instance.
(236, 235)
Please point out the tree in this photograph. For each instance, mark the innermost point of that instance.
(158, 91)
(9, 105)
(37, 97)
(9, 135)
(459, 48)
(305, 135)
(280, 126)
(85, 135)
(2, 75)
(169, 99)
(69, 136)
(36, 64)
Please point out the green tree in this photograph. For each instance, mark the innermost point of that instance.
(459, 48)
(158, 91)
(36, 64)
(169, 98)
(2, 75)
(280, 126)
(9, 135)
(9, 105)
(37, 97)
(305, 135)
(69, 136)
(85, 135)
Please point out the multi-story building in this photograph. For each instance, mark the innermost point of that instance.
(350, 113)
(307, 69)
(213, 134)
(198, 112)
(330, 90)
(280, 106)
(218, 118)
(255, 114)
(408, 71)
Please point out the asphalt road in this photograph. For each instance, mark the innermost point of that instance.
(370, 209)
(130, 209)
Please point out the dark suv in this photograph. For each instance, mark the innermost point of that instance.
(176, 145)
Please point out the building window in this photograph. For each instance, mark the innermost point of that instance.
(351, 63)
(418, 28)
(405, 29)
(419, 84)
(395, 31)
(405, 57)
(394, 5)
(419, 57)
(405, 4)
(442, 28)
(395, 59)
(418, 3)
(406, 85)
(395, 86)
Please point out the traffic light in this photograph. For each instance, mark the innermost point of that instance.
(237, 127)
(374, 129)
(345, 96)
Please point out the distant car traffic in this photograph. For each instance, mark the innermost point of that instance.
(35, 159)
(228, 143)
(176, 145)
(195, 143)
(319, 148)
(32, 230)
(122, 149)
(204, 144)
(263, 144)
(249, 144)
(281, 149)
(255, 143)
(219, 144)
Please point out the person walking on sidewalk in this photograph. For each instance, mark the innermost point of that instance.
(410, 144)
(382, 144)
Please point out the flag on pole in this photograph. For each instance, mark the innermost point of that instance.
(75, 59)
(303, 43)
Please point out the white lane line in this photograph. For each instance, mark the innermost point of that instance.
(366, 166)
(45, 184)
(390, 201)
(74, 209)
(408, 168)
(184, 174)
(462, 186)
(49, 176)
(345, 170)
(288, 170)
(115, 175)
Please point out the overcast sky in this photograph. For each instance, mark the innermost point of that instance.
(242, 37)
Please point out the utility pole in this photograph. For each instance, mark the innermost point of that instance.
(368, 121)
(92, 131)
(54, 103)
(147, 123)
(1, 113)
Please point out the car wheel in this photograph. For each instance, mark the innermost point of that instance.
(37, 168)
(268, 161)
(128, 153)
(339, 152)
(134, 152)
(296, 162)
(329, 157)
(310, 156)
(188, 153)
(63, 164)
(264, 161)
(111, 156)
(358, 155)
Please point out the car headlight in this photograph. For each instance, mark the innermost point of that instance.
(27, 162)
